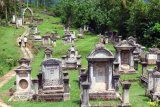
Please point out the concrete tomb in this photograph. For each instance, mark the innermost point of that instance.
(127, 57)
(72, 59)
(69, 38)
(99, 82)
(46, 41)
(53, 83)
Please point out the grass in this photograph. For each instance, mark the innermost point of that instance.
(84, 46)
(8, 47)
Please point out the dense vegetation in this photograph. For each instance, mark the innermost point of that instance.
(137, 18)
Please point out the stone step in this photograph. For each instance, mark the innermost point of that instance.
(53, 91)
(104, 96)
(50, 97)
(60, 87)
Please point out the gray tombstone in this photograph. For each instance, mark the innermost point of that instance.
(54, 86)
(24, 90)
(72, 59)
(125, 56)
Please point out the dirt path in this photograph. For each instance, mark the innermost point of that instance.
(26, 53)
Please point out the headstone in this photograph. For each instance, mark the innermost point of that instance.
(48, 53)
(72, 59)
(19, 22)
(100, 74)
(54, 86)
(14, 19)
(46, 41)
(125, 57)
(24, 91)
(151, 56)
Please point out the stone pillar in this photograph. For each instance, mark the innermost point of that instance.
(116, 67)
(79, 60)
(79, 68)
(66, 95)
(91, 78)
(125, 94)
(119, 38)
(40, 80)
(106, 39)
(144, 67)
(131, 59)
(35, 85)
(85, 95)
(83, 75)
(64, 60)
(150, 80)
(110, 76)
(116, 82)
(136, 64)
(119, 59)
(158, 64)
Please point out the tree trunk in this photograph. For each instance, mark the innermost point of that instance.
(20, 7)
(37, 3)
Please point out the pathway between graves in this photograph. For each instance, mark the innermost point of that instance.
(26, 53)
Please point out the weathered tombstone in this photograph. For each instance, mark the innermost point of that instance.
(72, 59)
(54, 86)
(132, 40)
(14, 19)
(46, 41)
(125, 57)
(48, 53)
(19, 22)
(80, 33)
(100, 73)
(24, 90)
(151, 56)
(69, 38)
(24, 61)
(34, 30)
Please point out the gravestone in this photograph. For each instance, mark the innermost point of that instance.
(69, 38)
(151, 56)
(24, 91)
(125, 57)
(46, 41)
(14, 19)
(72, 59)
(100, 73)
(48, 53)
(24, 61)
(80, 33)
(53, 84)
(19, 22)
(99, 82)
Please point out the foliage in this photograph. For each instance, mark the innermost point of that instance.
(153, 104)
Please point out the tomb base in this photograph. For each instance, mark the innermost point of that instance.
(21, 96)
(128, 71)
(52, 94)
(106, 95)
(126, 105)
(70, 65)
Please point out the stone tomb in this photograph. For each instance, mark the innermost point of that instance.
(48, 53)
(100, 82)
(103, 39)
(100, 73)
(72, 59)
(128, 62)
(81, 33)
(151, 56)
(24, 89)
(69, 38)
(46, 41)
(53, 84)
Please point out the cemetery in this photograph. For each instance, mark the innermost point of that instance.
(73, 58)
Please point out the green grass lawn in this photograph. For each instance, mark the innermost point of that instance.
(84, 46)
(8, 46)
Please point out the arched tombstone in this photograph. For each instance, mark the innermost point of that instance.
(24, 11)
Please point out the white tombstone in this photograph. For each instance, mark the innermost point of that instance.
(14, 19)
